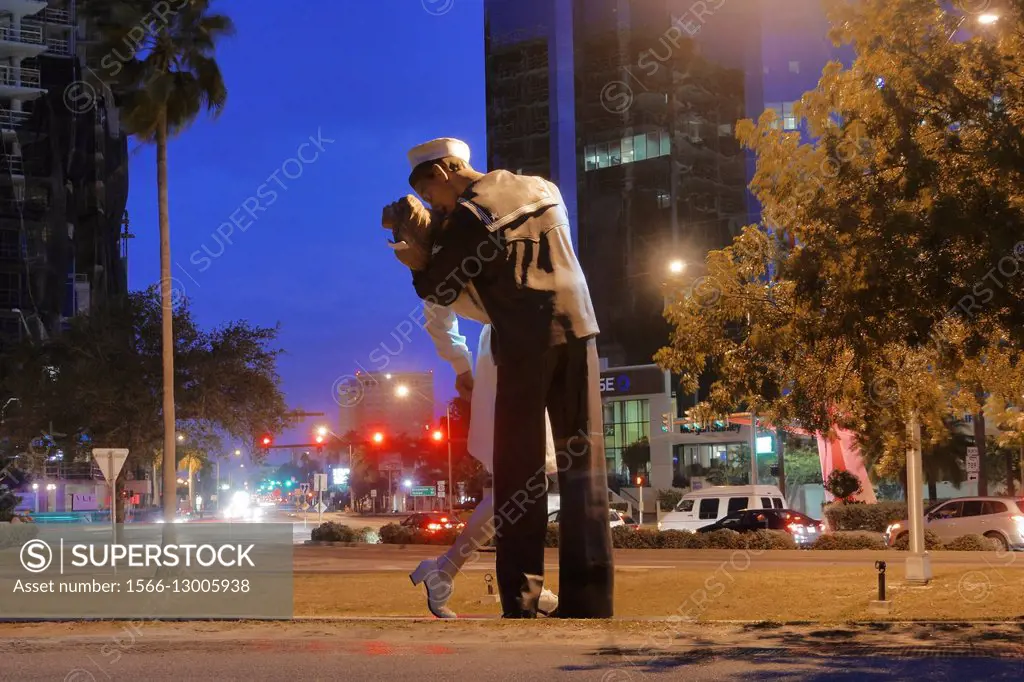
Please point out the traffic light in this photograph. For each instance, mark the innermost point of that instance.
(639, 481)
(319, 444)
(377, 438)
(437, 436)
(267, 441)
(666, 422)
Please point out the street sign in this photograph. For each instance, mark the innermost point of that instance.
(320, 507)
(973, 461)
(972, 476)
(423, 491)
(110, 461)
(440, 488)
(303, 487)
(319, 482)
(373, 493)
(303, 505)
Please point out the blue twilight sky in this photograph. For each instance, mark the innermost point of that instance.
(375, 76)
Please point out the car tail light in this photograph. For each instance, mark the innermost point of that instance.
(444, 519)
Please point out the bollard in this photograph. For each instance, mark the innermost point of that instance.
(490, 597)
(880, 565)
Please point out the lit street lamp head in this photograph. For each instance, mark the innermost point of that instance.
(676, 267)
(402, 391)
(988, 18)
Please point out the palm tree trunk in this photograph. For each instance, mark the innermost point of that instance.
(191, 496)
(170, 499)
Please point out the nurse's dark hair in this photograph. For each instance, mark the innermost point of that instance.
(449, 163)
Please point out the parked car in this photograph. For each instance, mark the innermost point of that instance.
(431, 522)
(998, 518)
(705, 506)
(615, 518)
(803, 528)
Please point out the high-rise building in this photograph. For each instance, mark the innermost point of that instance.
(630, 106)
(392, 403)
(63, 173)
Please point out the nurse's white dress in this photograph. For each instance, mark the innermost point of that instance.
(442, 323)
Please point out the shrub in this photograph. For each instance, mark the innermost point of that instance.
(677, 539)
(869, 517)
(627, 538)
(337, 532)
(394, 534)
(668, 499)
(16, 534)
(723, 538)
(931, 541)
(768, 539)
(842, 484)
(972, 543)
(849, 540)
(551, 538)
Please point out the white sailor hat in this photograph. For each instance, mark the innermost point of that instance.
(438, 149)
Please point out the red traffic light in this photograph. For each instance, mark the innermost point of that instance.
(438, 435)
(319, 440)
(378, 437)
(267, 440)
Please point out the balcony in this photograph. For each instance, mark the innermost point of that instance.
(11, 121)
(58, 46)
(25, 42)
(19, 82)
(11, 165)
(58, 16)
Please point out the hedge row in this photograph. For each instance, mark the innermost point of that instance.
(867, 517)
(16, 534)
(646, 538)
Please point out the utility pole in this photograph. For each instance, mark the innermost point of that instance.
(918, 563)
(753, 447)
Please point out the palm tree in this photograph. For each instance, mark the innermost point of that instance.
(193, 462)
(161, 84)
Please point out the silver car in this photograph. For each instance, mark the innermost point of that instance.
(998, 518)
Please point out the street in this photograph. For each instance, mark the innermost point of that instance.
(532, 650)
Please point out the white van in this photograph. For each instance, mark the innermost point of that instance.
(703, 507)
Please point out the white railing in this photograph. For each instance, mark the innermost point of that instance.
(31, 35)
(57, 16)
(13, 119)
(19, 76)
(11, 165)
(58, 46)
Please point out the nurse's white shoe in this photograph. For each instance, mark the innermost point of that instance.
(439, 585)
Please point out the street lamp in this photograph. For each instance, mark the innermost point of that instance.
(988, 18)
(676, 267)
(402, 391)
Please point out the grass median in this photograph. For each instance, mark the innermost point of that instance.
(733, 591)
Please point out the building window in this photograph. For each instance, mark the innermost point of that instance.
(625, 422)
(640, 147)
(789, 121)
(627, 150)
(794, 67)
(614, 154)
(785, 112)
